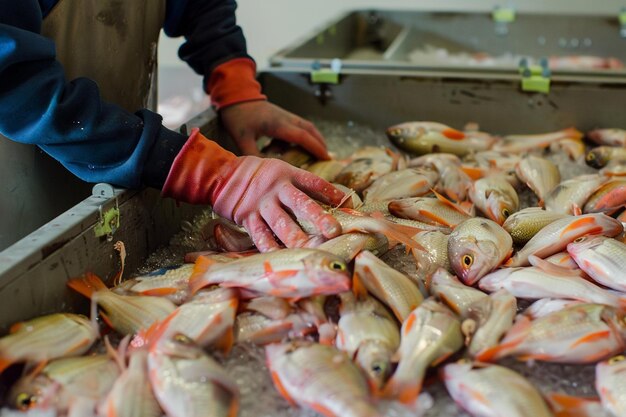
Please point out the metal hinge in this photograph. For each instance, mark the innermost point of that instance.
(535, 78)
(109, 220)
(622, 22)
(323, 78)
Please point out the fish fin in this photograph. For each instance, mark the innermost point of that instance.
(359, 290)
(577, 223)
(454, 307)
(573, 133)
(150, 336)
(106, 319)
(87, 285)
(405, 392)
(4, 364)
(448, 203)
(323, 410)
(551, 268)
(395, 158)
(453, 134)
(408, 324)
(541, 203)
(16, 327)
(569, 406)
(441, 359)
(233, 409)
(592, 337)
(327, 337)
(513, 338)
(474, 173)
(114, 354)
(33, 370)
(159, 292)
(274, 333)
(576, 210)
(281, 389)
(546, 357)
(226, 342)
(201, 267)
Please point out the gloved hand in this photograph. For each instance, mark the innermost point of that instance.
(246, 122)
(253, 192)
(247, 115)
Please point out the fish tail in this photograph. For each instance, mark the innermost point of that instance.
(404, 391)
(198, 280)
(226, 342)
(359, 290)
(87, 285)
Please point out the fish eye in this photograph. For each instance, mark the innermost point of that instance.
(591, 156)
(24, 401)
(580, 239)
(505, 213)
(378, 368)
(467, 260)
(616, 359)
(337, 266)
(181, 338)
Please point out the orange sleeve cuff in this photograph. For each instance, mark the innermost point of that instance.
(234, 82)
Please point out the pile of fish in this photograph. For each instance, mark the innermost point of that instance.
(512, 260)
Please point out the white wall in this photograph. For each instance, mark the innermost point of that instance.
(270, 25)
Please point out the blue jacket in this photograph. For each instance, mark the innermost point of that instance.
(38, 105)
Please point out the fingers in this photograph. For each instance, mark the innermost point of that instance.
(308, 210)
(259, 232)
(294, 134)
(283, 225)
(247, 144)
(318, 188)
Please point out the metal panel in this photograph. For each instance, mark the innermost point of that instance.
(387, 47)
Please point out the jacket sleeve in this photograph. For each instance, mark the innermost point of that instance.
(215, 48)
(95, 140)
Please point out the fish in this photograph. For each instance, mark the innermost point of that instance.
(453, 181)
(361, 173)
(608, 137)
(420, 138)
(131, 395)
(491, 321)
(580, 334)
(539, 174)
(46, 338)
(602, 258)
(476, 247)
(328, 170)
(526, 143)
(348, 245)
(232, 239)
(390, 286)
(524, 224)
(261, 330)
(170, 282)
(438, 160)
(429, 335)
(600, 156)
(614, 169)
(545, 306)
(369, 335)
(546, 280)
(610, 385)
(272, 307)
(495, 197)
(62, 381)
(126, 314)
(608, 198)
(287, 273)
(433, 257)
(563, 259)
(320, 378)
(478, 389)
(207, 318)
(573, 148)
(351, 199)
(410, 182)
(554, 237)
(435, 211)
(570, 195)
(187, 382)
(459, 297)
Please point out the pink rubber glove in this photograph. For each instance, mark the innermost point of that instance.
(256, 193)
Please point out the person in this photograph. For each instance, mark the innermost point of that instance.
(75, 80)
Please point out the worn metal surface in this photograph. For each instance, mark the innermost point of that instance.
(384, 40)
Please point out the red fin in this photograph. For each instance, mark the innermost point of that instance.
(453, 134)
(87, 285)
(592, 337)
(159, 292)
(226, 342)
(551, 268)
(151, 335)
(577, 211)
(474, 173)
(568, 406)
(36, 370)
(4, 364)
(281, 389)
(323, 410)
(449, 203)
(267, 267)
(454, 307)
(359, 290)
(16, 327)
(408, 324)
(578, 223)
(573, 133)
(512, 339)
(406, 393)
(203, 264)
(106, 319)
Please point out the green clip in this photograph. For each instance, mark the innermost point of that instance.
(535, 70)
(622, 17)
(109, 222)
(536, 83)
(503, 15)
(325, 76)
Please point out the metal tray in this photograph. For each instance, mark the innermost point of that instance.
(380, 39)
